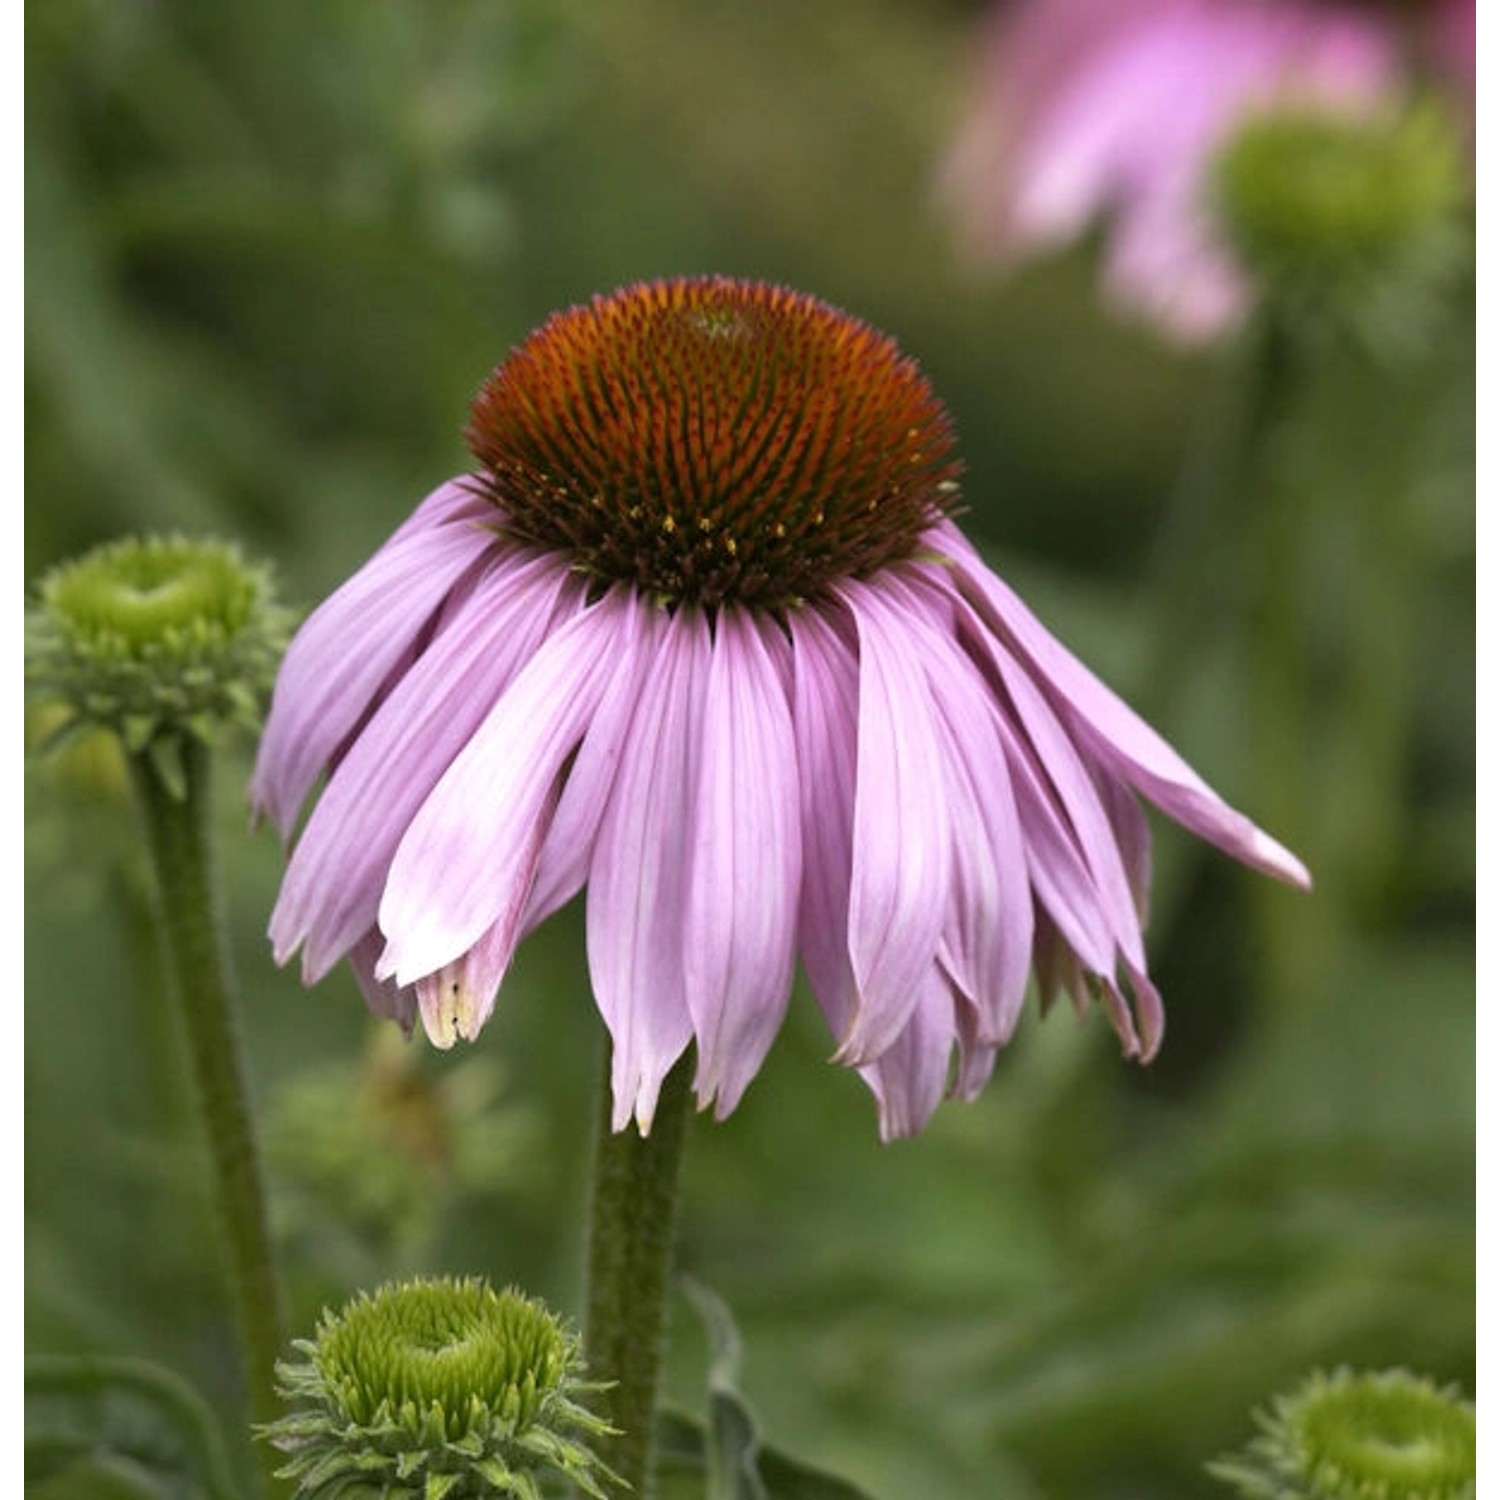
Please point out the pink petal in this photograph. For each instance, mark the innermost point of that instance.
(987, 944)
(1132, 836)
(392, 1001)
(468, 859)
(746, 863)
(1117, 736)
(1057, 966)
(344, 651)
(333, 884)
(1150, 1015)
(910, 1077)
(568, 850)
(1059, 875)
(1058, 763)
(986, 948)
(638, 881)
(902, 859)
(825, 722)
(1067, 890)
(976, 1057)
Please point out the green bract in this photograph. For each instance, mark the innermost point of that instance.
(156, 637)
(1387, 1436)
(439, 1389)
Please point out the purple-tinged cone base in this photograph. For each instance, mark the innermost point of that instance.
(910, 784)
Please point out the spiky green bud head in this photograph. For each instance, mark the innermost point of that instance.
(1347, 1436)
(155, 638)
(1363, 218)
(438, 1389)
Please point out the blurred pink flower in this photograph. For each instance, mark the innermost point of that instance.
(1113, 111)
(699, 635)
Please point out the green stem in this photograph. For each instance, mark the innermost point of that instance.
(632, 1226)
(1203, 534)
(1298, 939)
(177, 828)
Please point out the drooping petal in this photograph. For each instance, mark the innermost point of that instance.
(825, 723)
(384, 997)
(1149, 1013)
(1059, 764)
(1059, 875)
(911, 1076)
(1084, 957)
(638, 881)
(902, 867)
(568, 851)
(333, 884)
(468, 859)
(746, 862)
(1116, 734)
(976, 1056)
(459, 998)
(348, 645)
(986, 947)
(1132, 836)
(1057, 967)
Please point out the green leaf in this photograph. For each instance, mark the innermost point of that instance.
(120, 1427)
(734, 1461)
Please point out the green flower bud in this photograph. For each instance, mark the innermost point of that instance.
(438, 1390)
(155, 639)
(1363, 217)
(1388, 1436)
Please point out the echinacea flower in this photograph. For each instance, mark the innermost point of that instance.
(1116, 111)
(699, 634)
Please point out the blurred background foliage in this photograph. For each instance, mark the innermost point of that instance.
(274, 247)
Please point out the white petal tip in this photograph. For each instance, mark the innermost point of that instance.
(1266, 854)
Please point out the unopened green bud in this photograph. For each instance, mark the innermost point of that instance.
(438, 1390)
(1387, 1436)
(1361, 216)
(156, 638)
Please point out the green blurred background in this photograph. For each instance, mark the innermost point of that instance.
(273, 249)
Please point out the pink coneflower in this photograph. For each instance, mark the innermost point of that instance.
(699, 634)
(1115, 112)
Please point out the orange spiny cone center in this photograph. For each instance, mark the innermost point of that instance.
(710, 439)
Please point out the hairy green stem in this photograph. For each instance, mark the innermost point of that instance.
(632, 1226)
(177, 829)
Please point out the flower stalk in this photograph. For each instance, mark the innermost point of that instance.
(632, 1227)
(166, 642)
(177, 831)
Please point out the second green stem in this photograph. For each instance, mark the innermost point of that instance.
(177, 829)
